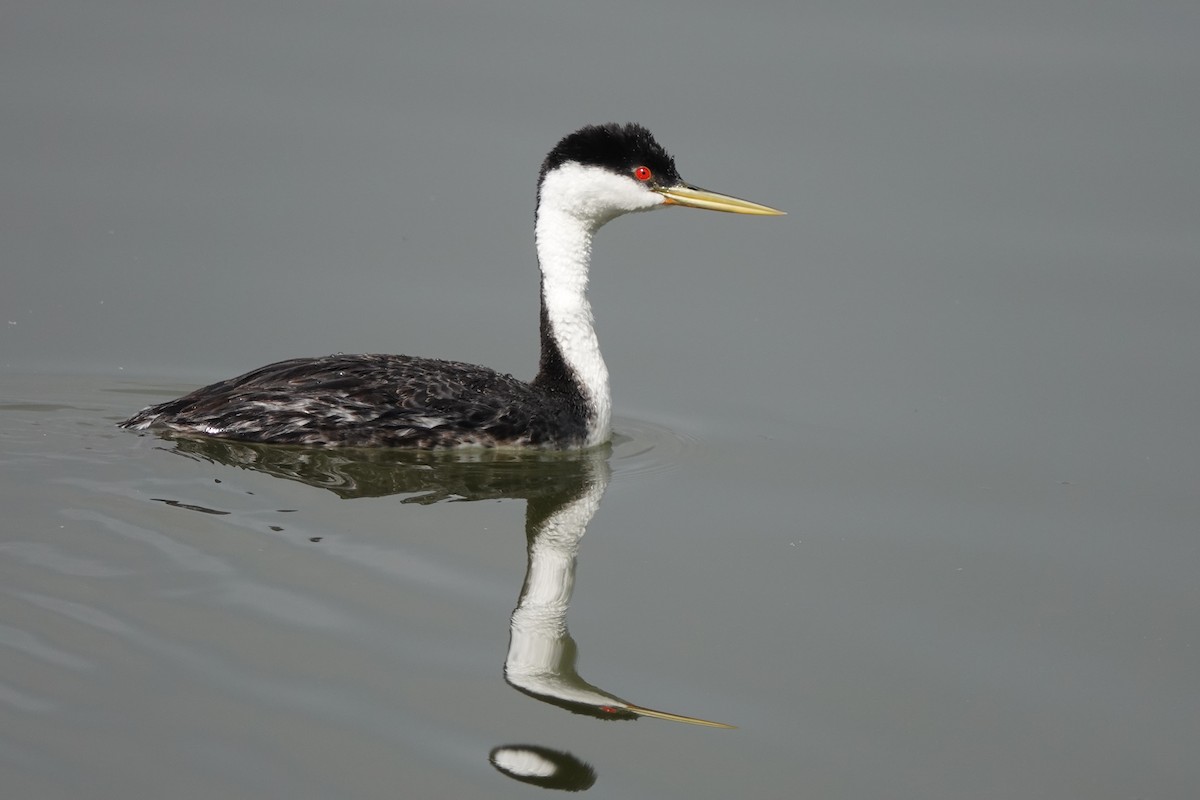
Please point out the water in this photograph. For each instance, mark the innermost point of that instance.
(207, 619)
(280, 607)
(906, 482)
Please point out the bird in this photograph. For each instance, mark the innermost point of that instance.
(589, 178)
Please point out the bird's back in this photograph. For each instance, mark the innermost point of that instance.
(372, 401)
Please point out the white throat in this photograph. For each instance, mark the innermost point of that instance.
(575, 201)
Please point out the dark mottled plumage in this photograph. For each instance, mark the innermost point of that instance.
(377, 401)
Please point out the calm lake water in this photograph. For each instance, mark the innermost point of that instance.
(906, 485)
(201, 620)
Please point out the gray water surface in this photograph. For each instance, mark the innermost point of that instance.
(198, 620)
(906, 486)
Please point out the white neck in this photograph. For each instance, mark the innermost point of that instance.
(574, 202)
(564, 246)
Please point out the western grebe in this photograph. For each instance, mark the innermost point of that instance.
(590, 177)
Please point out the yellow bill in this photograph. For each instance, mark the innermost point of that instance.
(695, 197)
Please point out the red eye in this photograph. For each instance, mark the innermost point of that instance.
(642, 173)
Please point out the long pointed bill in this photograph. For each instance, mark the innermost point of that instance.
(650, 712)
(694, 197)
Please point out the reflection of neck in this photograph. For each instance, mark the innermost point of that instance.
(541, 653)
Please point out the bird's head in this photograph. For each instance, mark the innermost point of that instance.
(600, 172)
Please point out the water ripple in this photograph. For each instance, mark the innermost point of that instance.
(642, 448)
(47, 556)
(33, 646)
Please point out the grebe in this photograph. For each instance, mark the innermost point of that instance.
(592, 176)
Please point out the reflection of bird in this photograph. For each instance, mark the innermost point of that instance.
(592, 176)
(541, 652)
(421, 477)
(562, 492)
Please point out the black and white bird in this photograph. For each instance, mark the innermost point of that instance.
(590, 177)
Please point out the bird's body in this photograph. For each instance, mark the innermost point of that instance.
(380, 401)
(588, 179)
